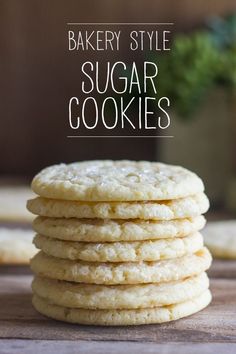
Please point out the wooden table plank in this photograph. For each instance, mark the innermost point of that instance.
(225, 269)
(13, 269)
(84, 347)
(18, 319)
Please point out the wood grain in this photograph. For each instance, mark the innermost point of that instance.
(88, 347)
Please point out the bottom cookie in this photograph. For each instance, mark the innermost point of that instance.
(122, 317)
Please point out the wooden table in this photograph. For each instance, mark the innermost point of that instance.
(23, 330)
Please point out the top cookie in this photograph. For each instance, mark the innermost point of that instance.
(116, 181)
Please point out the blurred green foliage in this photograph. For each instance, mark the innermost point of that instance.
(196, 63)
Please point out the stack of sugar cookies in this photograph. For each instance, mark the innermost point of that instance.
(120, 243)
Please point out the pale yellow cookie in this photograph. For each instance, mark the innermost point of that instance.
(93, 297)
(220, 237)
(163, 210)
(108, 230)
(13, 200)
(152, 250)
(16, 246)
(116, 181)
(121, 273)
(122, 317)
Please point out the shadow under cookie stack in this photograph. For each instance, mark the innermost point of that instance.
(119, 243)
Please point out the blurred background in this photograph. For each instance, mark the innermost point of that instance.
(39, 75)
